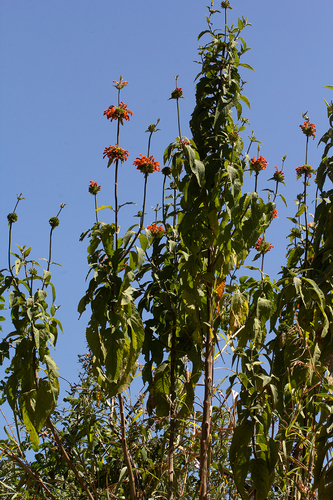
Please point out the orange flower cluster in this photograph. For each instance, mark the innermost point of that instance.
(263, 246)
(118, 112)
(304, 169)
(156, 231)
(258, 164)
(115, 153)
(93, 187)
(309, 129)
(177, 93)
(274, 214)
(147, 165)
(278, 175)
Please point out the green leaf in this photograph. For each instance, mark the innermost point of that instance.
(45, 402)
(143, 241)
(29, 426)
(260, 477)
(244, 65)
(102, 208)
(27, 252)
(239, 454)
(245, 99)
(265, 308)
(18, 265)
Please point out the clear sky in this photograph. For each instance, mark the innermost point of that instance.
(57, 62)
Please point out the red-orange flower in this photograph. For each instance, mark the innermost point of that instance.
(309, 129)
(115, 153)
(118, 112)
(263, 246)
(147, 165)
(156, 231)
(183, 141)
(121, 84)
(126, 264)
(93, 187)
(304, 169)
(278, 175)
(274, 214)
(258, 164)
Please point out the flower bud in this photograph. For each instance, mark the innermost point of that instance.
(166, 170)
(54, 222)
(12, 217)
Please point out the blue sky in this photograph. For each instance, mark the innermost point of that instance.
(58, 60)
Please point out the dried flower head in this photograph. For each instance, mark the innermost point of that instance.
(115, 153)
(147, 165)
(177, 93)
(120, 113)
(93, 187)
(166, 170)
(258, 164)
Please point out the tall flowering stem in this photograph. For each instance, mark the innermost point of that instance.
(119, 113)
(308, 130)
(147, 165)
(166, 171)
(278, 177)
(54, 222)
(12, 218)
(94, 189)
(177, 94)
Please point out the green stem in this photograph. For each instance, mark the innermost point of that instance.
(50, 250)
(207, 407)
(116, 178)
(163, 200)
(305, 206)
(262, 267)
(149, 139)
(178, 114)
(256, 182)
(144, 202)
(50, 244)
(125, 448)
(9, 248)
(306, 223)
(97, 221)
(142, 218)
(172, 410)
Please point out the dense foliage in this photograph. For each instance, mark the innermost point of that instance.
(167, 300)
